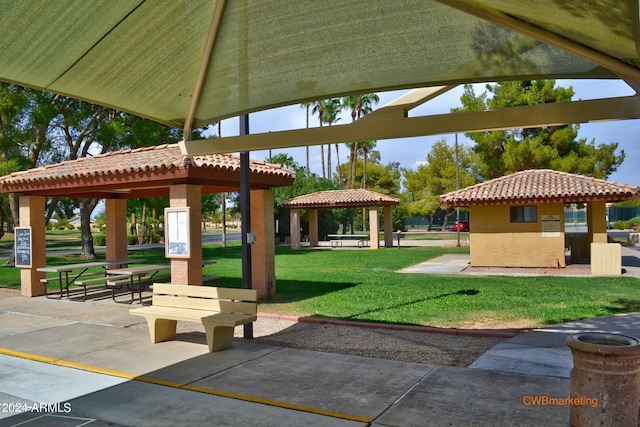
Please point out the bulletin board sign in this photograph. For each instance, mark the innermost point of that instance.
(176, 231)
(23, 246)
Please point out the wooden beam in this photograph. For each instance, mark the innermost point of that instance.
(388, 126)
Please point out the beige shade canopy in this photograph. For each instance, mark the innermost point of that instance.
(191, 63)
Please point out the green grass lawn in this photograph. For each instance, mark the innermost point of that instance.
(363, 285)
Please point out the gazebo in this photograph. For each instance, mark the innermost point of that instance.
(149, 172)
(518, 219)
(357, 198)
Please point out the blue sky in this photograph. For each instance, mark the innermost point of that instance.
(411, 151)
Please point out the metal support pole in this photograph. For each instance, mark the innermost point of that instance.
(245, 212)
(457, 188)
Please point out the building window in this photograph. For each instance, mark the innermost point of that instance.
(524, 213)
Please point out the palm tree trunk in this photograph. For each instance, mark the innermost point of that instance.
(338, 163)
(307, 147)
(329, 168)
(324, 173)
(353, 163)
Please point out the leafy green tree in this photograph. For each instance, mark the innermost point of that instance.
(303, 184)
(210, 206)
(437, 176)
(550, 147)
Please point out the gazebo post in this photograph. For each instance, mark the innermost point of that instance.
(263, 251)
(597, 222)
(188, 271)
(295, 228)
(32, 215)
(313, 227)
(374, 228)
(388, 227)
(116, 233)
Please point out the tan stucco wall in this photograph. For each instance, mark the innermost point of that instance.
(496, 242)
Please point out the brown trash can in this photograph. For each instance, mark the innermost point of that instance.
(605, 379)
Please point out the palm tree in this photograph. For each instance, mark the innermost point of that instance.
(332, 108)
(318, 107)
(359, 105)
(366, 146)
(306, 106)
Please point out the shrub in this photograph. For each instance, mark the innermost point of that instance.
(634, 222)
(620, 225)
(132, 239)
(155, 238)
(100, 240)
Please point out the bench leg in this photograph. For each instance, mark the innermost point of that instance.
(162, 329)
(218, 337)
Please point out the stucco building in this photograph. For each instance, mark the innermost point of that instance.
(518, 220)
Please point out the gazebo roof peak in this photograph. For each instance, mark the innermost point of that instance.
(540, 186)
(141, 172)
(354, 198)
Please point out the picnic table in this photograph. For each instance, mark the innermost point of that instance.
(336, 239)
(137, 278)
(70, 273)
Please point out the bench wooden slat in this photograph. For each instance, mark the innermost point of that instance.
(187, 315)
(99, 280)
(204, 304)
(206, 292)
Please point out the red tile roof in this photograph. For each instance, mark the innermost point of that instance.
(539, 186)
(143, 167)
(340, 199)
(141, 159)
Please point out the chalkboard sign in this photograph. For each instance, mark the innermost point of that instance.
(23, 246)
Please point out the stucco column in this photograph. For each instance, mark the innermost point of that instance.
(388, 227)
(597, 222)
(188, 270)
(116, 211)
(32, 215)
(374, 228)
(263, 251)
(313, 227)
(294, 216)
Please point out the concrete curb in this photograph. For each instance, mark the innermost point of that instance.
(479, 333)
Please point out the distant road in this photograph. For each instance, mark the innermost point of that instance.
(73, 248)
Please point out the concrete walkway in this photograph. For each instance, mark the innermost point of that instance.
(458, 263)
(67, 363)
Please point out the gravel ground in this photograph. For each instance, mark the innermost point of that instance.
(408, 346)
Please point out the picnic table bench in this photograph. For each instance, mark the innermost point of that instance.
(219, 310)
(336, 239)
(80, 275)
(138, 277)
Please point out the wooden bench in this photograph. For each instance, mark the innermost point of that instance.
(219, 310)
